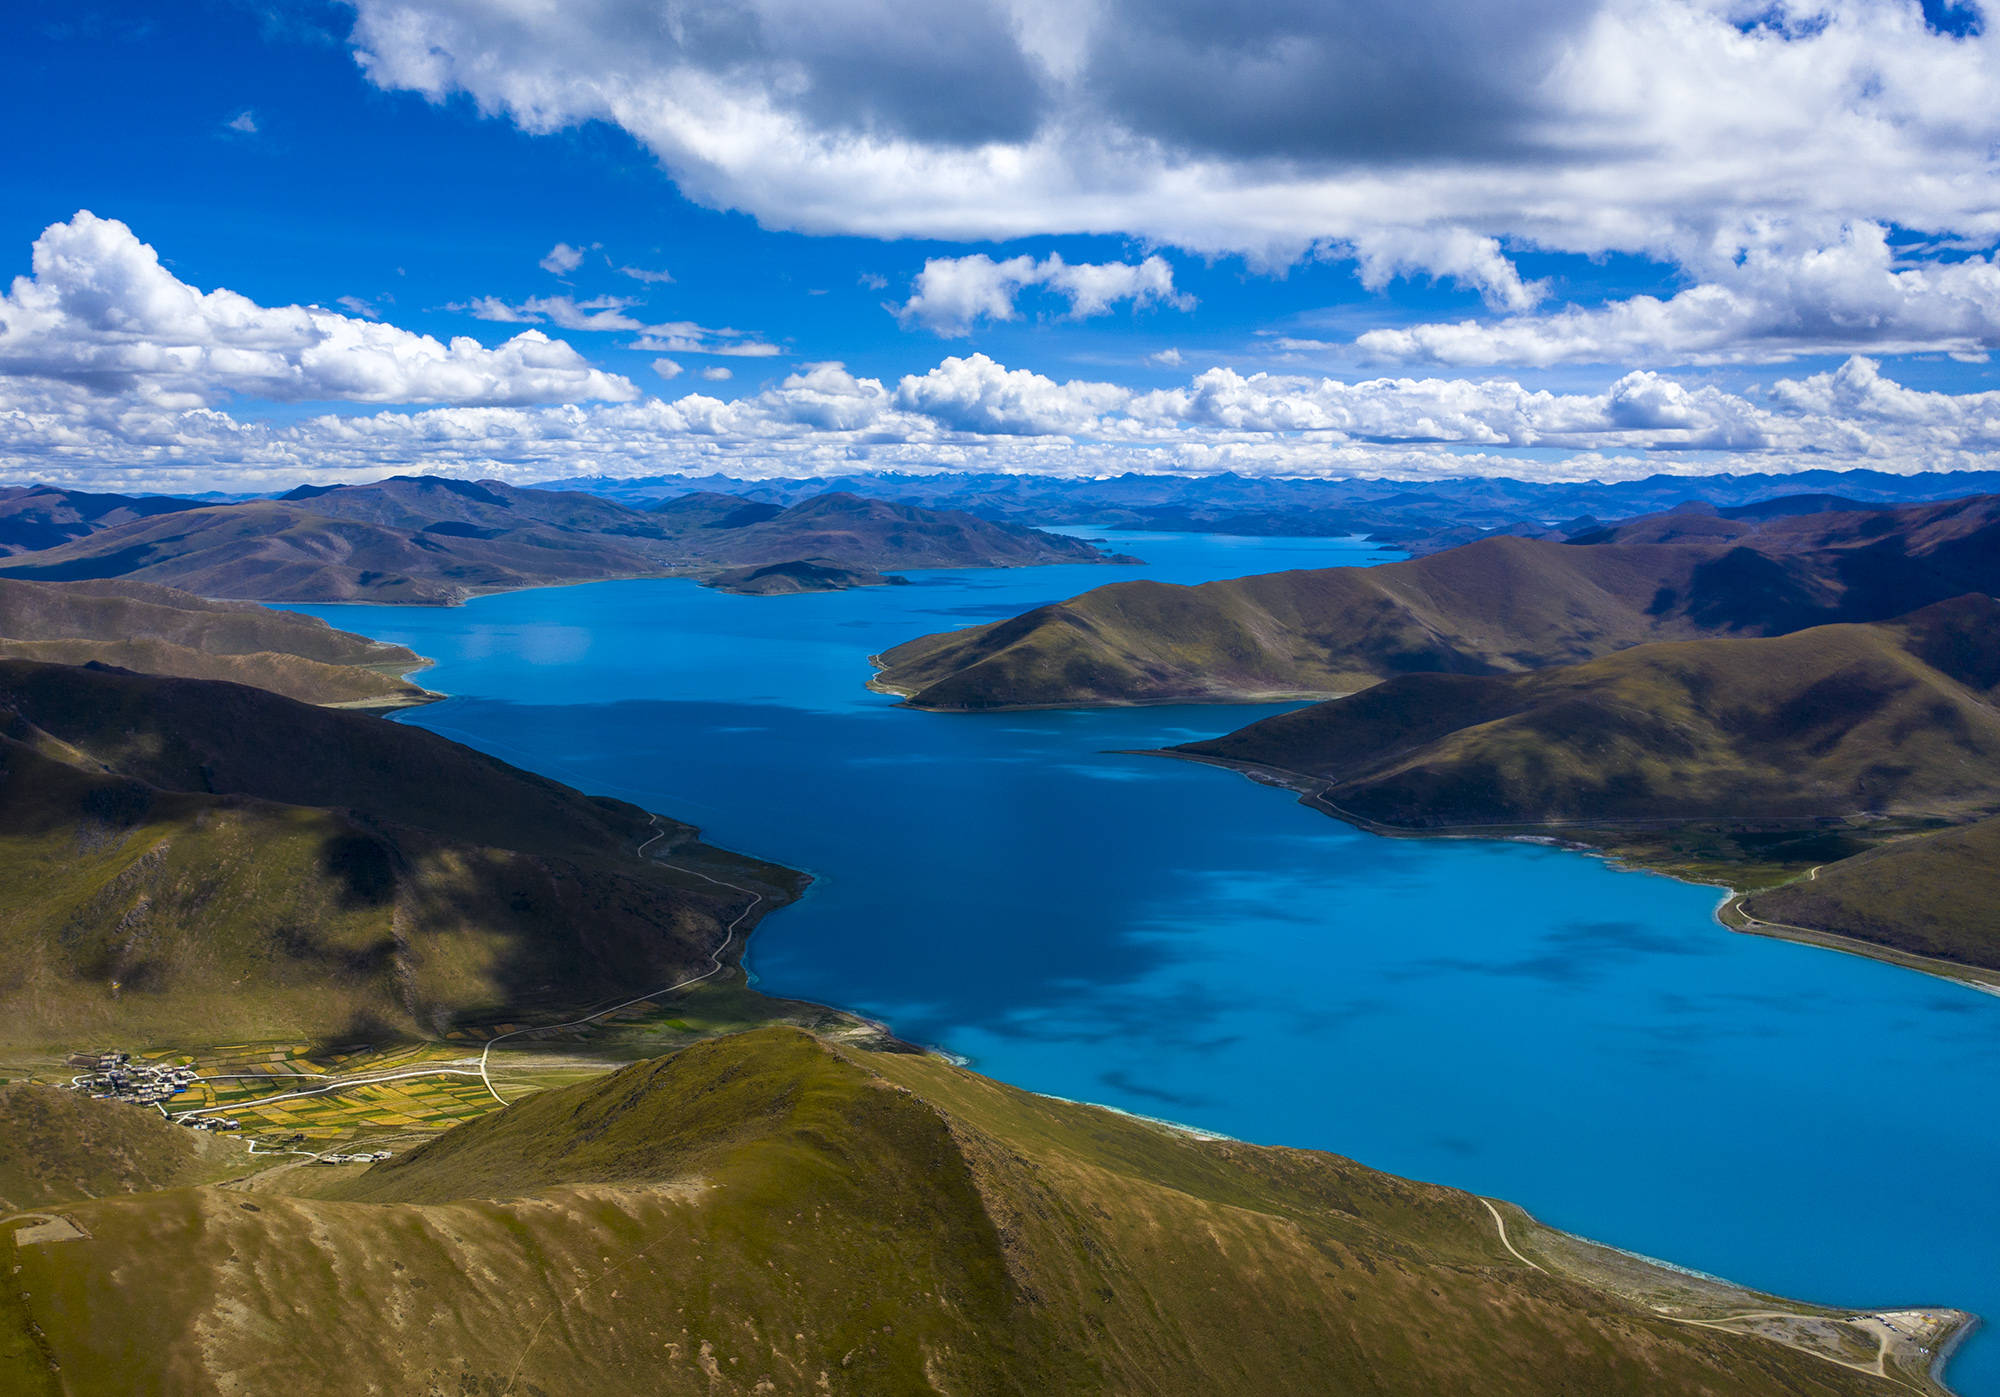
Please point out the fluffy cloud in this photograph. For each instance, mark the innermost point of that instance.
(100, 314)
(1427, 137)
(1767, 306)
(973, 413)
(114, 371)
(562, 259)
(951, 294)
(977, 395)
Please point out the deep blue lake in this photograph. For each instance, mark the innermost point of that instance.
(1178, 941)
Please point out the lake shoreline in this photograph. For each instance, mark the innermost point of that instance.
(1728, 912)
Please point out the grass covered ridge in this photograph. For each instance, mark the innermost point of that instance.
(767, 1213)
(1497, 606)
(193, 861)
(159, 630)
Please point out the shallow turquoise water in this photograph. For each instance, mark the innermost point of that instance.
(1180, 942)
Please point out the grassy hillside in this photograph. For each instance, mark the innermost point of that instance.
(422, 539)
(1935, 895)
(193, 862)
(60, 1146)
(158, 630)
(1495, 606)
(766, 1214)
(1891, 719)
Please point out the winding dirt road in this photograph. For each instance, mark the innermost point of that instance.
(714, 968)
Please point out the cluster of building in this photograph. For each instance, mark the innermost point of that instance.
(115, 1077)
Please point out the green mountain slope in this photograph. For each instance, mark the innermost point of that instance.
(191, 862)
(1495, 606)
(158, 630)
(60, 1146)
(766, 1214)
(1888, 719)
(1935, 895)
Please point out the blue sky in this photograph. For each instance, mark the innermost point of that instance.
(1589, 238)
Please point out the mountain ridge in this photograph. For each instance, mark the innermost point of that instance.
(192, 858)
(433, 541)
(1498, 605)
(160, 630)
(768, 1212)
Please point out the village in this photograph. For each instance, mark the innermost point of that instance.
(114, 1076)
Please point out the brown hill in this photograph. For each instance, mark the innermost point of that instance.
(268, 551)
(44, 516)
(191, 861)
(158, 630)
(1836, 721)
(1499, 605)
(1935, 895)
(423, 539)
(855, 532)
(804, 575)
(765, 1213)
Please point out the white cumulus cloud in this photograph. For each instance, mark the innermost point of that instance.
(973, 413)
(951, 294)
(1429, 137)
(1767, 306)
(101, 314)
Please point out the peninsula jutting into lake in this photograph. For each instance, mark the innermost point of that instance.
(734, 698)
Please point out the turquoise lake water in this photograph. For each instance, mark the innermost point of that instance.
(1181, 942)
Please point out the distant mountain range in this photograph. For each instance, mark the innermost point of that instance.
(1499, 605)
(45, 516)
(421, 539)
(1421, 517)
(158, 630)
(188, 857)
